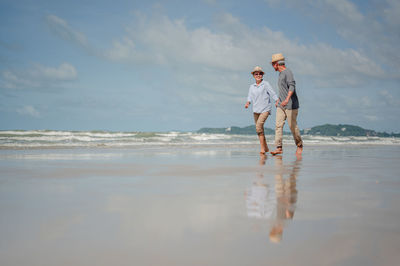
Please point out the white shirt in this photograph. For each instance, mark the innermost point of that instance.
(260, 97)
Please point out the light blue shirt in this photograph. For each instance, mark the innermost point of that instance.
(260, 97)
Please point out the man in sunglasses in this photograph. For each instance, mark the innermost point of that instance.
(287, 105)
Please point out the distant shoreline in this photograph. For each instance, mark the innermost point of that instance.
(329, 130)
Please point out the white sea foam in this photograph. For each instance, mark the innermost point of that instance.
(70, 139)
(205, 137)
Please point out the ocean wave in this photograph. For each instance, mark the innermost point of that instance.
(19, 139)
(205, 137)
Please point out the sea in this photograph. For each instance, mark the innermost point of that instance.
(48, 139)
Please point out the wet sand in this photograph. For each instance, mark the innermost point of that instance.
(338, 205)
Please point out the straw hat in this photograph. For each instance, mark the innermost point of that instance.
(277, 57)
(257, 69)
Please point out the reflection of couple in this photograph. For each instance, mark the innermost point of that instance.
(277, 204)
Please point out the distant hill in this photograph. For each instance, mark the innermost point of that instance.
(322, 130)
(344, 130)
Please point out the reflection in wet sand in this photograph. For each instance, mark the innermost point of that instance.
(182, 208)
(286, 196)
(277, 202)
(260, 199)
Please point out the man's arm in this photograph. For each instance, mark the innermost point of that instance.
(292, 86)
(286, 101)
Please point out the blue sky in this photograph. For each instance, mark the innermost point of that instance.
(183, 65)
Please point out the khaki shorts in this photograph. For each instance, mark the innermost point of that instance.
(260, 119)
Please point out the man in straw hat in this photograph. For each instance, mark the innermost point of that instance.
(287, 105)
(260, 94)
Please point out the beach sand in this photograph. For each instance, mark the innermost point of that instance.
(200, 205)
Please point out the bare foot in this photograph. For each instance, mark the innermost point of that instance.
(277, 151)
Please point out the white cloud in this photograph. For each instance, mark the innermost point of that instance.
(375, 34)
(61, 28)
(339, 10)
(343, 9)
(391, 12)
(233, 47)
(236, 47)
(29, 111)
(159, 40)
(38, 76)
(389, 99)
(11, 80)
(64, 72)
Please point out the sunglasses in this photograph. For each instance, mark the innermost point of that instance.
(258, 74)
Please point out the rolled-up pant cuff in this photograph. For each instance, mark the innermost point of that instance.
(259, 119)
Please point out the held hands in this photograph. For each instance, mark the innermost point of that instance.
(284, 103)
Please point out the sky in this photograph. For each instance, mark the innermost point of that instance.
(183, 65)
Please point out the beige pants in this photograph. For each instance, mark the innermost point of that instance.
(259, 119)
(291, 117)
